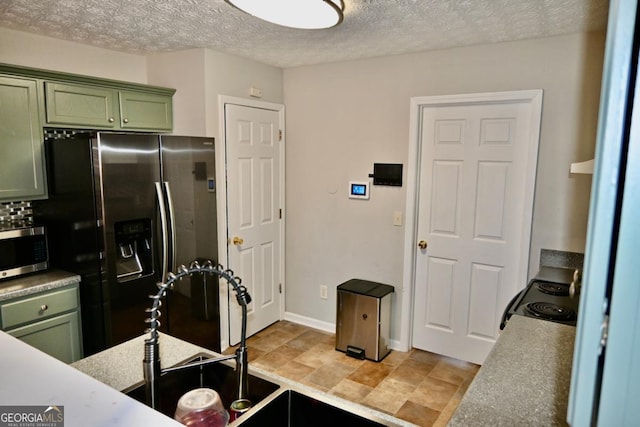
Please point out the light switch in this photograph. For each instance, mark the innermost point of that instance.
(255, 92)
(397, 218)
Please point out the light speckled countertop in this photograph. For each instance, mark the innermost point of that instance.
(36, 282)
(525, 379)
(120, 367)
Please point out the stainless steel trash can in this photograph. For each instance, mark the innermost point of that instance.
(363, 319)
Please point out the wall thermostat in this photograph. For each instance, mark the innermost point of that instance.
(358, 190)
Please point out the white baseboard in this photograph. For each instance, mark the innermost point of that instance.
(328, 327)
(310, 322)
(395, 345)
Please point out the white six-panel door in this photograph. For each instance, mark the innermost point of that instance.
(253, 204)
(471, 222)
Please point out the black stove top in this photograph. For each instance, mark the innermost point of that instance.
(550, 311)
(558, 289)
(545, 300)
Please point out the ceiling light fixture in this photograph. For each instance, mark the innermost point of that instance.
(304, 14)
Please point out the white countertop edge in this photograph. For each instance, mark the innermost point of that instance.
(31, 377)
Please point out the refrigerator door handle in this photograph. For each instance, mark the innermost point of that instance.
(165, 233)
(172, 229)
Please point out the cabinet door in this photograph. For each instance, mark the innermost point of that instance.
(38, 307)
(58, 336)
(21, 141)
(145, 111)
(77, 105)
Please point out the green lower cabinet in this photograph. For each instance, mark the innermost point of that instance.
(47, 320)
(58, 336)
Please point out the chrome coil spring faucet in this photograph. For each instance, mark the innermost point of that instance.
(151, 362)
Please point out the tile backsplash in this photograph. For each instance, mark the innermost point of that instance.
(553, 258)
(19, 213)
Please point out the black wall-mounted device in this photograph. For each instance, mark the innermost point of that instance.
(387, 174)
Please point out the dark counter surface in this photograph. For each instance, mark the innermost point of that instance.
(555, 274)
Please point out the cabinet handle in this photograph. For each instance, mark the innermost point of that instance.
(125, 120)
(43, 308)
(111, 120)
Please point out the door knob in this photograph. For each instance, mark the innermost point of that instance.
(238, 240)
(422, 244)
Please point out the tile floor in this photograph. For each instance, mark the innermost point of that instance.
(420, 387)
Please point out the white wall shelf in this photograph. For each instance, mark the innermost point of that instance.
(582, 167)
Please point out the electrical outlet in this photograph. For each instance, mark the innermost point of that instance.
(323, 292)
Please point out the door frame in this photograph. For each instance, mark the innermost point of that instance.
(221, 200)
(534, 97)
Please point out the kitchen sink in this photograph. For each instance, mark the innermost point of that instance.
(217, 376)
(293, 409)
(273, 406)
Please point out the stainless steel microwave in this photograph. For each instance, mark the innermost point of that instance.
(23, 250)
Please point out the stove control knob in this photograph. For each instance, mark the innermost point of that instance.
(576, 284)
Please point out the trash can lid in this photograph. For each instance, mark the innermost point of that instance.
(365, 287)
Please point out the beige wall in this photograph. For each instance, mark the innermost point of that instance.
(200, 75)
(185, 71)
(30, 50)
(234, 76)
(343, 117)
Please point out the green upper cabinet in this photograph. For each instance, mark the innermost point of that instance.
(145, 111)
(74, 101)
(33, 99)
(68, 104)
(21, 141)
(95, 107)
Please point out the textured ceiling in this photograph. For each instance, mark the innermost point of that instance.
(370, 27)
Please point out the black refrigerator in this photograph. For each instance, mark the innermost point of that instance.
(123, 211)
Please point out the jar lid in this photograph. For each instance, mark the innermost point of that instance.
(197, 400)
